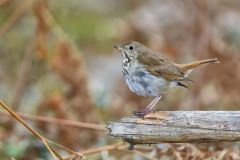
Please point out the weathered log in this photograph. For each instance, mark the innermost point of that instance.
(178, 127)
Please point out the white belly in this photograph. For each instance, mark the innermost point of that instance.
(145, 84)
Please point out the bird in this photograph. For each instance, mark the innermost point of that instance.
(150, 73)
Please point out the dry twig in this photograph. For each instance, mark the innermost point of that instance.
(99, 149)
(59, 121)
(44, 140)
(19, 11)
(118, 146)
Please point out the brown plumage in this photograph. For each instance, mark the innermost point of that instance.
(160, 66)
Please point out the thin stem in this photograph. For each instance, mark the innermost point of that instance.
(67, 149)
(51, 150)
(104, 148)
(19, 11)
(36, 134)
(59, 121)
(99, 149)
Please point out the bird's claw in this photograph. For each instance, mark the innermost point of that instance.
(141, 112)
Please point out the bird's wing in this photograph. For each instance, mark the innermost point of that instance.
(160, 66)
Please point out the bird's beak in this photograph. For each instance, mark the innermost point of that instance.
(117, 46)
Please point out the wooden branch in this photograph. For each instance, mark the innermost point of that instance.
(178, 127)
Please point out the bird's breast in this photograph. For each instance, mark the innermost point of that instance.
(143, 83)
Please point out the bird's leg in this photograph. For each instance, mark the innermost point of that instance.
(148, 109)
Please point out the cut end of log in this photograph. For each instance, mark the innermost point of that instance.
(109, 126)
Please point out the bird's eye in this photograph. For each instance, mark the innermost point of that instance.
(130, 47)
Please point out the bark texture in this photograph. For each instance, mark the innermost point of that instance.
(178, 127)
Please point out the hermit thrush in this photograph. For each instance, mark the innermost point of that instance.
(150, 73)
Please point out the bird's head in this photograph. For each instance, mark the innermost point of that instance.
(130, 49)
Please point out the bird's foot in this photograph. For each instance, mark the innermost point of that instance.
(141, 112)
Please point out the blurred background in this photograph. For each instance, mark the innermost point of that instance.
(57, 60)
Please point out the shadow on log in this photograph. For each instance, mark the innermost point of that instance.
(178, 127)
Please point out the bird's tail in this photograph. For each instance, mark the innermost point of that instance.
(189, 66)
